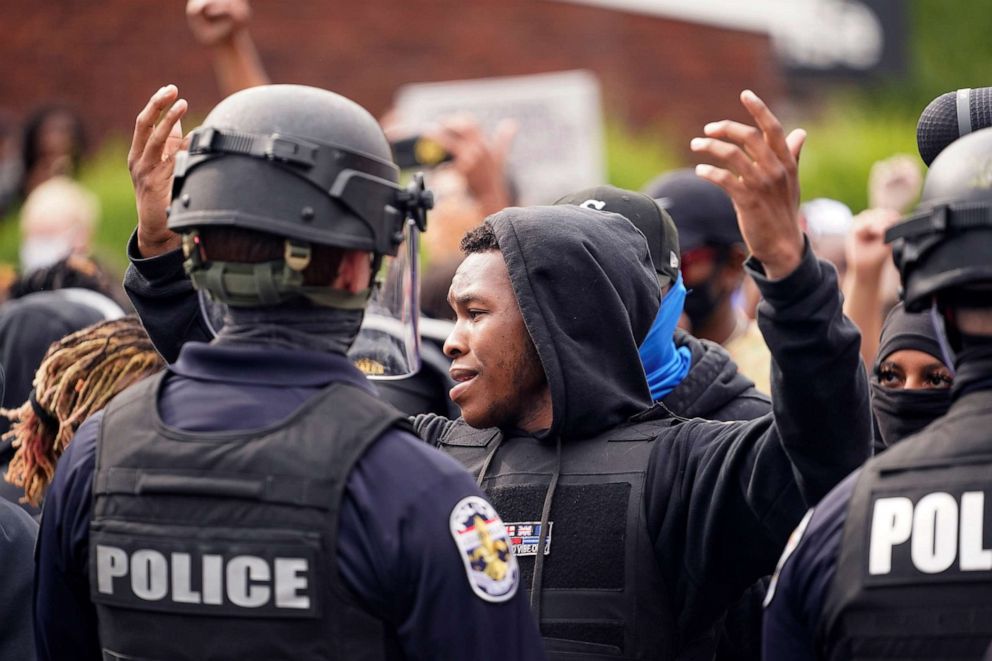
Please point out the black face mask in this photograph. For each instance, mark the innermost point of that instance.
(701, 301)
(901, 413)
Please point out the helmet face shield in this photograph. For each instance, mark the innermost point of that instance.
(388, 343)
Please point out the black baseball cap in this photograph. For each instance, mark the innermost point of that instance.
(645, 214)
(702, 211)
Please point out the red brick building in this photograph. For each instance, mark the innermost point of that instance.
(105, 58)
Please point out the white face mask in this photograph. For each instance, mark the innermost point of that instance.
(41, 251)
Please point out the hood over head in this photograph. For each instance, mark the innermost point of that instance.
(588, 293)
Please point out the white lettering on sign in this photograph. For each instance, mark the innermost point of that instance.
(938, 529)
(246, 581)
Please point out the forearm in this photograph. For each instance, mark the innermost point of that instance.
(819, 388)
(237, 64)
(862, 305)
(165, 301)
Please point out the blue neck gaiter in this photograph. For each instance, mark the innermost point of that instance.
(664, 364)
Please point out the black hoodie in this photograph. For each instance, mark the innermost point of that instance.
(714, 389)
(722, 497)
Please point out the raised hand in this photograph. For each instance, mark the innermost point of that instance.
(216, 21)
(865, 246)
(150, 162)
(894, 183)
(480, 160)
(758, 167)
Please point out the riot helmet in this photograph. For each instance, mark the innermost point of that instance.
(312, 168)
(944, 249)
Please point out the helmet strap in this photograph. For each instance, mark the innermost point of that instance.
(264, 283)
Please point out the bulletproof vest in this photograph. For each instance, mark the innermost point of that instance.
(223, 545)
(913, 575)
(602, 594)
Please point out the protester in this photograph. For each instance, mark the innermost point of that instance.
(222, 27)
(544, 462)
(713, 255)
(910, 384)
(44, 308)
(892, 563)
(827, 223)
(58, 219)
(78, 376)
(266, 447)
(52, 145)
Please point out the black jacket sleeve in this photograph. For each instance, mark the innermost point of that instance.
(431, 427)
(724, 497)
(165, 300)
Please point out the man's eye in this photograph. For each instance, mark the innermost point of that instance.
(474, 314)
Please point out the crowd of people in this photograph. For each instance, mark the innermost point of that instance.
(699, 421)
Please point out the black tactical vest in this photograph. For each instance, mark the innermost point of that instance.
(223, 545)
(914, 575)
(603, 596)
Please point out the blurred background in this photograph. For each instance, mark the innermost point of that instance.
(623, 84)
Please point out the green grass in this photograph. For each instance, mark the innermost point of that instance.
(105, 174)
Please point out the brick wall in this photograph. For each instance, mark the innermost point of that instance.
(105, 58)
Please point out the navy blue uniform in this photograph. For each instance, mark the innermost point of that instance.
(803, 579)
(916, 610)
(395, 548)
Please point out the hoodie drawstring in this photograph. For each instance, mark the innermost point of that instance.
(488, 460)
(536, 582)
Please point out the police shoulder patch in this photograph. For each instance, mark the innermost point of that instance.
(484, 548)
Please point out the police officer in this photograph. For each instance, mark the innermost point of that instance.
(255, 500)
(896, 561)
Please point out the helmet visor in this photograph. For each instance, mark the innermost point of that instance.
(388, 343)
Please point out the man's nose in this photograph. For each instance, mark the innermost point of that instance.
(455, 345)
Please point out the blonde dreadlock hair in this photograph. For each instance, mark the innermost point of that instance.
(77, 377)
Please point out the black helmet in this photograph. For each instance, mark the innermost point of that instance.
(294, 161)
(944, 250)
(299, 163)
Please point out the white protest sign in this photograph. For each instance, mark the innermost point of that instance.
(559, 146)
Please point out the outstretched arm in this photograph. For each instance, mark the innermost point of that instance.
(155, 281)
(222, 26)
(734, 492)
(819, 390)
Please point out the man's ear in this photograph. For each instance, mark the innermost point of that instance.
(355, 272)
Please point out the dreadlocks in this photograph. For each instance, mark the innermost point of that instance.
(77, 377)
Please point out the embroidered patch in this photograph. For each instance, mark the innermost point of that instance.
(485, 549)
(524, 537)
(790, 547)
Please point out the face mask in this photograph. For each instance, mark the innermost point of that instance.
(701, 301)
(901, 413)
(39, 252)
(665, 365)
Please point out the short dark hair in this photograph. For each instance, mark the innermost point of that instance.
(245, 246)
(479, 239)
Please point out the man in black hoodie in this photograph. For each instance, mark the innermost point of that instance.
(684, 516)
(634, 530)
